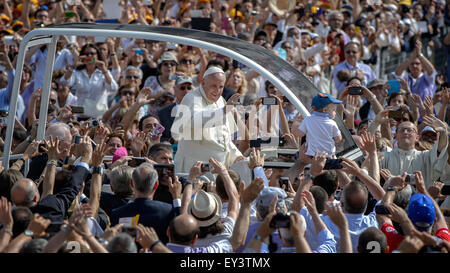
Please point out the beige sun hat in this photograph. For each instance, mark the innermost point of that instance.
(206, 207)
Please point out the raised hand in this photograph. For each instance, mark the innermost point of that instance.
(318, 163)
(256, 159)
(98, 154)
(368, 143)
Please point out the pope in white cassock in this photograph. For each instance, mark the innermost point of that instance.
(203, 126)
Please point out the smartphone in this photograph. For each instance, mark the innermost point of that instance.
(69, 14)
(42, 145)
(257, 142)
(396, 114)
(333, 164)
(226, 23)
(284, 181)
(161, 167)
(130, 230)
(9, 40)
(77, 109)
(205, 167)
(89, 60)
(281, 142)
(394, 86)
(410, 179)
(157, 132)
(280, 220)
(78, 139)
(355, 90)
(380, 209)
(138, 51)
(269, 101)
(445, 190)
(138, 160)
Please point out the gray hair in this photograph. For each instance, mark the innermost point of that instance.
(334, 12)
(122, 243)
(144, 178)
(130, 67)
(60, 130)
(120, 178)
(34, 246)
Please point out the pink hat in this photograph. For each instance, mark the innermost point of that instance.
(119, 153)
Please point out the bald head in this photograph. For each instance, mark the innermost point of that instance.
(25, 193)
(183, 230)
(355, 198)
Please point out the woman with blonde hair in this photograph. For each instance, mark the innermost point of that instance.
(236, 81)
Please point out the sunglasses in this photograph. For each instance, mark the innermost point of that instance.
(132, 77)
(183, 88)
(126, 93)
(187, 61)
(169, 63)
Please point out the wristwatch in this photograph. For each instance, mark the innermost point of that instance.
(97, 170)
(308, 175)
(28, 232)
(390, 188)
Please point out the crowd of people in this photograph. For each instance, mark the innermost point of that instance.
(152, 146)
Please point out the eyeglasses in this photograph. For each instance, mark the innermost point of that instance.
(169, 63)
(407, 130)
(126, 93)
(183, 88)
(132, 77)
(351, 52)
(186, 61)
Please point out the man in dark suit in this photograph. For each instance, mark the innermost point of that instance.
(183, 85)
(54, 206)
(144, 209)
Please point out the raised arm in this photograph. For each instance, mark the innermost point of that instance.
(373, 186)
(96, 179)
(369, 145)
(243, 220)
(230, 188)
(337, 216)
(141, 100)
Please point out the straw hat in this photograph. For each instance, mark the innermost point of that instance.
(206, 207)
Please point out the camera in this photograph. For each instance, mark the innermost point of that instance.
(93, 123)
(410, 179)
(284, 181)
(77, 109)
(78, 139)
(281, 220)
(269, 101)
(355, 90)
(333, 164)
(205, 167)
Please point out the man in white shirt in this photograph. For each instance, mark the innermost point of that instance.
(405, 158)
